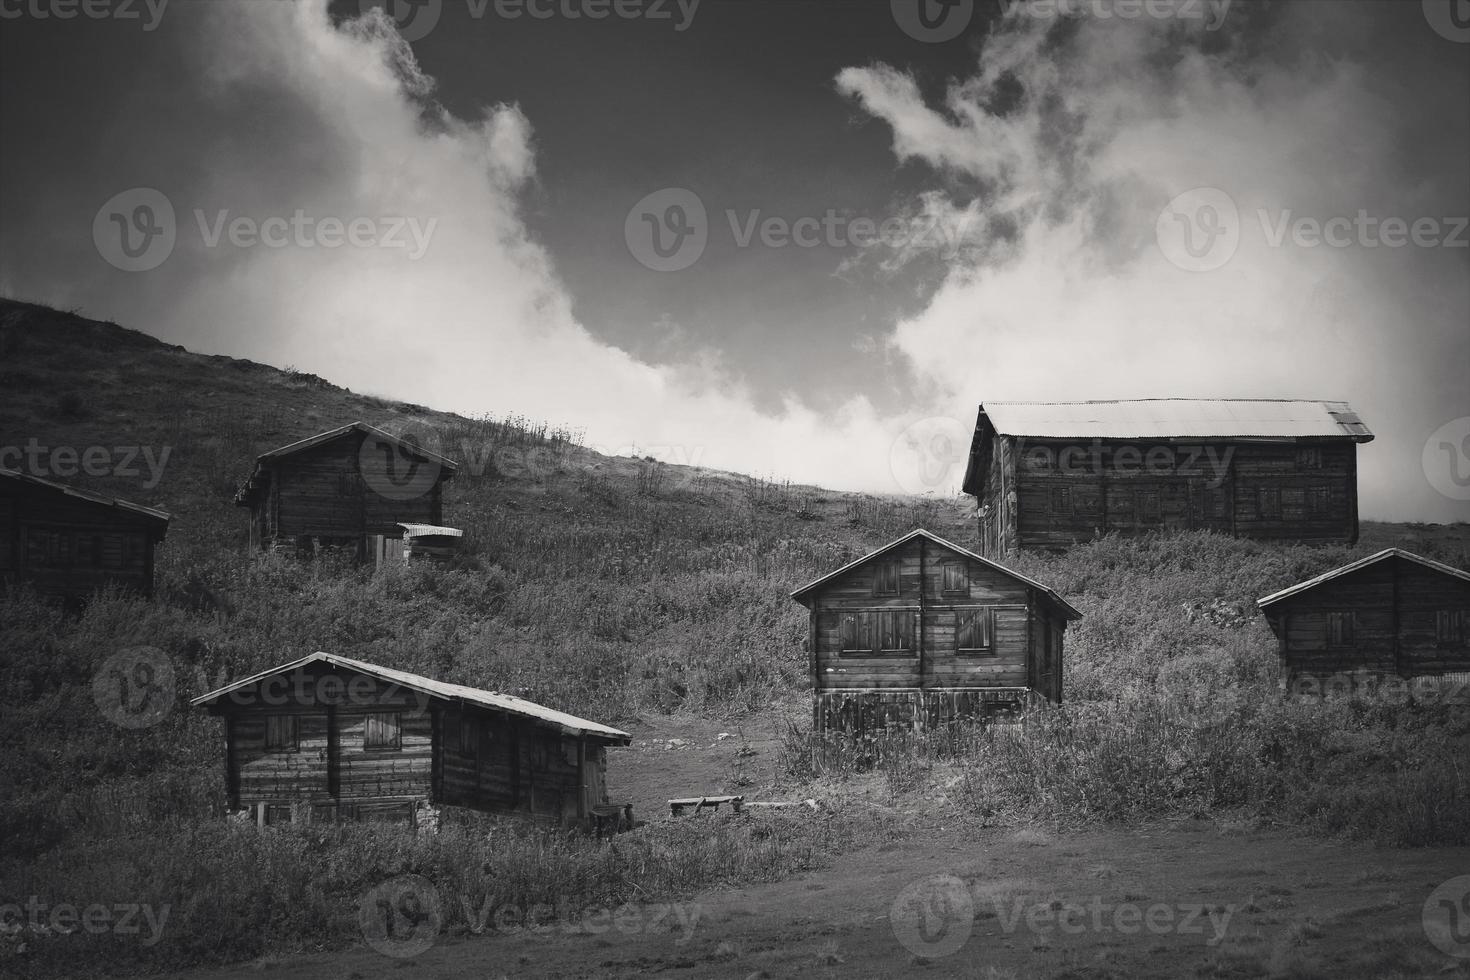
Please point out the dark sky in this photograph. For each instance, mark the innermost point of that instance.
(1032, 165)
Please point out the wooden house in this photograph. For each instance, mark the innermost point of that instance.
(67, 543)
(1392, 614)
(341, 739)
(353, 487)
(1047, 475)
(922, 631)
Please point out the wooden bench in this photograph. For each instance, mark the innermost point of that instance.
(697, 803)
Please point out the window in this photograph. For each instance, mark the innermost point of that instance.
(974, 631)
(955, 578)
(1340, 629)
(878, 632)
(1451, 626)
(895, 631)
(1146, 507)
(886, 579)
(1212, 503)
(281, 733)
(1061, 500)
(1319, 501)
(468, 731)
(381, 731)
(1309, 458)
(1268, 504)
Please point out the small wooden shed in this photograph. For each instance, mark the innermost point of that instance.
(1392, 614)
(352, 487)
(342, 739)
(67, 543)
(922, 631)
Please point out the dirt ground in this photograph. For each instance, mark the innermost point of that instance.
(1190, 899)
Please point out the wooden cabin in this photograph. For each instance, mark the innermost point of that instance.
(353, 487)
(339, 739)
(1392, 614)
(921, 632)
(1048, 475)
(67, 543)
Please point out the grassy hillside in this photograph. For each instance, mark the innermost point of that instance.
(622, 589)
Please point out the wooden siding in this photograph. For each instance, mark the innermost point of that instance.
(68, 548)
(1268, 489)
(930, 658)
(1394, 608)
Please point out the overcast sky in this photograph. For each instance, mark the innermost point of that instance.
(569, 216)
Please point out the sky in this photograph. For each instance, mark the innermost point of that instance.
(796, 239)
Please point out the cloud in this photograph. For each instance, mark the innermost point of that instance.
(1073, 136)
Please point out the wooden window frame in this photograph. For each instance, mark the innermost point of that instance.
(1340, 639)
(292, 743)
(868, 633)
(1141, 513)
(1319, 500)
(1451, 627)
(885, 568)
(987, 631)
(1309, 457)
(1060, 500)
(901, 626)
(1271, 496)
(369, 745)
(961, 571)
(469, 742)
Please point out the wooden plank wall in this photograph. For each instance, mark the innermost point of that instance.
(320, 492)
(69, 548)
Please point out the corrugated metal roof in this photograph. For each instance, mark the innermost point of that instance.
(1063, 604)
(1361, 563)
(430, 530)
(151, 513)
(1169, 418)
(427, 685)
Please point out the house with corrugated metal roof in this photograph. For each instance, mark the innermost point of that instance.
(1048, 475)
(354, 487)
(1392, 615)
(330, 738)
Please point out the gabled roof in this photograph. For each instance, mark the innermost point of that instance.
(1057, 600)
(1358, 565)
(156, 519)
(447, 466)
(570, 724)
(1175, 418)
